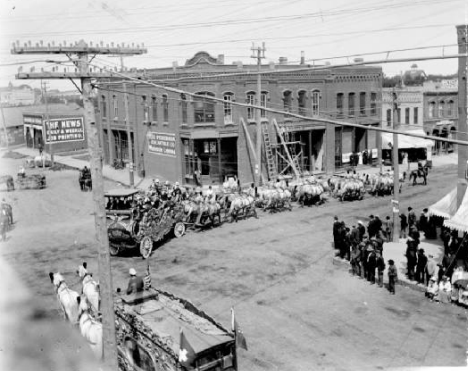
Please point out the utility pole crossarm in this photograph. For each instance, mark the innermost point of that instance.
(78, 47)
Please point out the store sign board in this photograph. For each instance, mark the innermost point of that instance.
(163, 144)
(64, 130)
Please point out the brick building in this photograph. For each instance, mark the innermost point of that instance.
(174, 135)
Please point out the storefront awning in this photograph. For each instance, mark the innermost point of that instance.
(460, 220)
(446, 207)
(405, 142)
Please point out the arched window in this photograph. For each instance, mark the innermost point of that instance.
(315, 102)
(441, 108)
(431, 109)
(287, 99)
(450, 108)
(301, 102)
(251, 102)
(351, 103)
(154, 108)
(339, 103)
(103, 106)
(227, 106)
(165, 104)
(204, 109)
(116, 107)
(373, 104)
(183, 104)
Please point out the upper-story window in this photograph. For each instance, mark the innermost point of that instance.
(154, 109)
(431, 110)
(287, 100)
(362, 103)
(441, 108)
(204, 109)
(415, 115)
(301, 102)
(183, 106)
(250, 102)
(389, 117)
(398, 115)
(450, 108)
(339, 104)
(351, 102)
(103, 106)
(227, 107)
(115, 106)
(315, 102)
(145, 109)
(263, 103)
(407, 115)
(373, 104)
(165, 105)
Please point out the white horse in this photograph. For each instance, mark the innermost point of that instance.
(90, 287)
(66, 297)
(90, 328)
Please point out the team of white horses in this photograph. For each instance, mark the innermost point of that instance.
(81, 310)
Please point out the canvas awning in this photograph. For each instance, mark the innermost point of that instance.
(460, 220)
(446, 207)
(405, 142)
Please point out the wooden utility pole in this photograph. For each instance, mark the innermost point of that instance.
(462, 33)
(260, 53)
(80, 52)
(47, 124)
(396, 172)
(5, 128)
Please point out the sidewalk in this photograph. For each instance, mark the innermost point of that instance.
(396, 251)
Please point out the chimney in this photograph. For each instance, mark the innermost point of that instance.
(302, 57)
(283, 60)
(220, 59)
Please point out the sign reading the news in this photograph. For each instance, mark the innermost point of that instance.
(64, 130)
(162, 144)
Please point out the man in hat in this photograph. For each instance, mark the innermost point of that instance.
(380, 263)
(361, 229)
(411, 217)
(424, 221)
(392, 276)
(135, 284)
(355, 260)
(371, 230)
(336, 233)
(421, 266)
(411, 258)
(176, 193)
(371, 264)
(403, 225)
(388, 229)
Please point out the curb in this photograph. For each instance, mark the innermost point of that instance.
(410, 284)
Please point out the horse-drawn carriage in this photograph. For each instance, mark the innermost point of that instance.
(85, 181)
(153, 328)
(31, 181)
(129, 227)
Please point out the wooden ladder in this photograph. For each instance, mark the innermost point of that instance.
(270, 160)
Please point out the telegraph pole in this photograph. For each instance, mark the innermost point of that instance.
(396, 171)
(81, 51)
(47, 124)
(462, 33)
(260, 53)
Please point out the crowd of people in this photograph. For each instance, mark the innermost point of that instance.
(363, 246)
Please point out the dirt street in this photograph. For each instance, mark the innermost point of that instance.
(296, 308)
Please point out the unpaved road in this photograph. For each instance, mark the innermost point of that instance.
(297, 309)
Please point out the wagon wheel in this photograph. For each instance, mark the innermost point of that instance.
(146, 245)
(114, 249)
(179, 229)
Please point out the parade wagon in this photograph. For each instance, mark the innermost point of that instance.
(31, 181)
(130, 226)
(156, 330)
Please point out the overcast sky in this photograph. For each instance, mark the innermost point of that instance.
(175, 30)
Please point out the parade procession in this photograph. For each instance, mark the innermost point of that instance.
(198, 208)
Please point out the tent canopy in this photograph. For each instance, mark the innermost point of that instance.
(405, 142)
(460, 220)
(446, 206)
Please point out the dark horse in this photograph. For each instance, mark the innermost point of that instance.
(85, 180)
(420, 173)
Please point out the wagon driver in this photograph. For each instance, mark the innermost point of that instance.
(135, 284)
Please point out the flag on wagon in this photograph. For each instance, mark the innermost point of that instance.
(147, 278)
(186, 352)
(238, 334)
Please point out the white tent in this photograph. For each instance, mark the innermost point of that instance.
(405, 142)
(446, 206)
(460, 220)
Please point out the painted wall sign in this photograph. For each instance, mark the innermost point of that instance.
(64, 130)
(163, 144)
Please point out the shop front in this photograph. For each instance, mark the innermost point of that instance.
(33, 131)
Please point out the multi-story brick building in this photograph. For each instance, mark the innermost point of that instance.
(410, 107)
(441, 111)
(175, 134)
